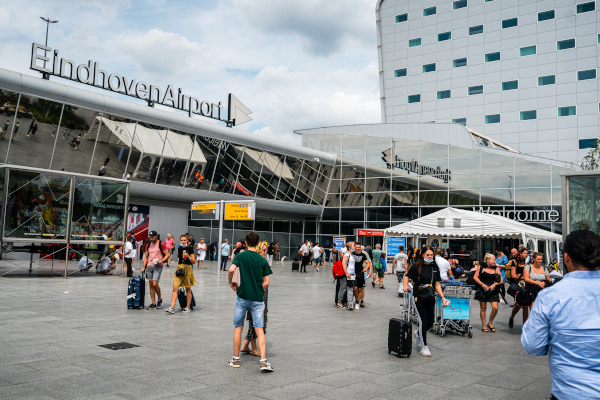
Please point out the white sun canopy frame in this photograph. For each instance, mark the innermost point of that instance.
(459, 223)
(149, 141)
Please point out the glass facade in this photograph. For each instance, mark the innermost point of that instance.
(584, 203)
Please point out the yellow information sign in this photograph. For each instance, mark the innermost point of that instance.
(239, 211)
(203, 206)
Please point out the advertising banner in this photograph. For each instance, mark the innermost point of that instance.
(138, 220)
(339, 242)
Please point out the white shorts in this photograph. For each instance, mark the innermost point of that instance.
(202, 255)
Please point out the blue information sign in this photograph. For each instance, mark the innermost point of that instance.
(393, 244)
(339, 242)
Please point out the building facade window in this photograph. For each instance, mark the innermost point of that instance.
(400, 72)
(429, 68)
(565, 44)
(587, 143)
(415, 98)
(586, 7)
(443, 94)
(545, 15)
(475, 90)
(527, 115)
(491, 57)
(459, 62)
(414, 42)
(444, 36)
(475, 30)
(462, 121)
(546, 80)
(459, 4)
(509, 23)
(528, 51)
(429, 11)
(510, 85)
(492, 119)
(567, 111)
(585, 75)
(401, 18)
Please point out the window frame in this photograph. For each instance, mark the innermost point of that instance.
(416, 45)
(585, 4)
(506, 82)
(459, 66)
(459, 3)
(429, 65)
(476, 33)
(492, 115)
(544, 12)
(565, 107)
(397, 75)
(494, 53)
(413, 95)
(444, 33)
(522, 113)
(475, 94)
(449, 92)
(528, 47)
(547, 76)
(430, 8)
(401, 15)
(566, 40)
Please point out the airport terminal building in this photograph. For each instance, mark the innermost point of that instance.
(343, 181)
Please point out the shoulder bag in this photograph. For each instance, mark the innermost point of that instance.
(236, 280)
(427, 294)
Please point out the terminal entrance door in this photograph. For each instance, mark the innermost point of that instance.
(370, 237)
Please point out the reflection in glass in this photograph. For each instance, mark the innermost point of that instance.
(433, 151)
(584, 203)
(33, 144)
(331, 143)
(405, 198)
(352, 185)
(432, 183)
(525, 165)
(211, 150)
(378, 214)
(533, 196)
(464, 197)
(37, 205)
(557, 195)
(403, 183)
(250, 171)
(437, 198)
(377, 199)
(464, 165)
(98, 210)
(402, 214)
(378, 185)
(503, 180)
(353, 171)
(494, 163)
(497, 196)
(538, 178)
(227, 168)
(352, 200)
(465, 181)
(333, 200)
(460, 152)
(181, 152)
(74, 148)
(274, 169)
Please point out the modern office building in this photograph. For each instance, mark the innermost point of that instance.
(523, 73)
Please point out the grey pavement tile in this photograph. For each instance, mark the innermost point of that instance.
(530, 369)
(418, 391)
(401, 379)
(517, 382)
(343, 378)
(293, 391)
(454, 380)
(481, 392)
(359, 391)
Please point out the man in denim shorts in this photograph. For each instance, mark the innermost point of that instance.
(254, 277)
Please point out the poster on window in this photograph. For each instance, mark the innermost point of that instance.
(138, 220)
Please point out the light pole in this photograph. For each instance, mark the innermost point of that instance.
(48, 22)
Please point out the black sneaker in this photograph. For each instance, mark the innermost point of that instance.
(152, 307)
(159, 304)
(373, 284)
(381, 287)
(510, 323)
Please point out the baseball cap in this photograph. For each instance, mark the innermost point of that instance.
(152, 233)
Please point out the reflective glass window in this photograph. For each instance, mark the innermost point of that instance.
(497, 196)
(492, 119)
(414, 42)
(567, 111)
(378, 213)
(352, 200)
(228, 165)
(331, 214)
(459, 62)
(98, 210)
(509, 23)
(273, 168)
(377, 199)
(401, 214)
(460, 152)
(330, 228)
(586, 7)
(415, 98)
(400, 73)
(377, 185)
(527, 51)
(565, 44)
(527, 115)
(475, 90)
(36, 136)
(429, 11)
(181, 156)
(444, 94)
(401, 18)
(545, 15)
(535, 196)
(462, 121)
(433, 151)
(498, 180)
(494, 162)
(585, 75)
(433, 198)
(539, 178)
(250, 171)
(475, 30)
(444, 36)
(464, 181)
(464, 197)
(464, 166)
(37, 205)
(459, 4)
(331, 143)
(353, 214)
(510, 85)
(404, 183)
(333, 200)
(546, 80)
(491, 57)
(429, 67)
(405, 198)
(148, 145)
(211, 149)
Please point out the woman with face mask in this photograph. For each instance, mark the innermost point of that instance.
(517, 276)
(425, 275)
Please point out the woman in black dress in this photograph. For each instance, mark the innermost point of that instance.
(516, 272)
(488, 288)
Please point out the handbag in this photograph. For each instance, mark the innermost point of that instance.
(507, 269)
(180, 272)
(427, 294)
(513, 288)
(236, 280)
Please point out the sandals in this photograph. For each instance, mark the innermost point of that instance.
(491, 328)
(255, 353)
(246, 351)
(484, 329)
(362, 304)
(339, 305)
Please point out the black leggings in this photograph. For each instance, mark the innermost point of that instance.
(427, 314)
(305, 261)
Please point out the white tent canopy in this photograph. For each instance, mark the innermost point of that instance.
(453, 222)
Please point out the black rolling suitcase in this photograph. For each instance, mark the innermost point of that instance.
(295, 266)
(182, 297)
(400, 337)
(136, 292)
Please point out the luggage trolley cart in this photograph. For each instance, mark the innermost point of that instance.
(457, 316)
(408, 309)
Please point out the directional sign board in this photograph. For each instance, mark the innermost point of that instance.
(205, 211)
(393, 245)
(240, 211)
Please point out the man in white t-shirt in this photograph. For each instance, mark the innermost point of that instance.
(305, 254)
(443, 265)
(128, 255)
(85, 264)
(317, 251)
(402, 260)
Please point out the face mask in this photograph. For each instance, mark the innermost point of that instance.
(428, 261)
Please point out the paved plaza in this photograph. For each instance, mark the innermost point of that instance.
(52, 327)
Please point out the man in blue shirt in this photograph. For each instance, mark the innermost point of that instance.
(565, 321)
(224, 254)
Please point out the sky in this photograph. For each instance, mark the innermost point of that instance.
(295, 64)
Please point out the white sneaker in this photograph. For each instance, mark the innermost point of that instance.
(357, 307)
(170, 310)
(187, 309)
(417, 339)
(502, 301)
(317, 269)
(425, 351)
